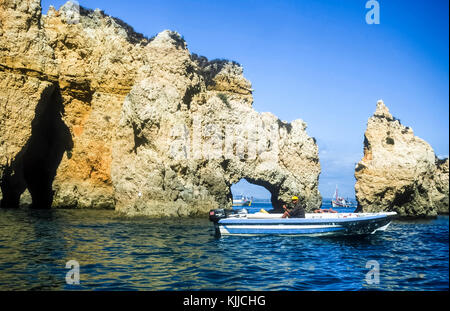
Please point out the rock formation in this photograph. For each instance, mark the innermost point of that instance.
(78, 65)
(441, 186)
(399, 171)
(94, 115)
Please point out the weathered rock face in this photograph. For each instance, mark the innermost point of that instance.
(184, 139)
(90, 59)
(98, 59)
(441, 189)
(95, 115)
(29, 105)
(399, 171)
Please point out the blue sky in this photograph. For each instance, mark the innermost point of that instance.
(321, 62)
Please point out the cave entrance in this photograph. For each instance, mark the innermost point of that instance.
(34, 167)
(245, 190)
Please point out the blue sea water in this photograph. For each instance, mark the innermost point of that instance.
(121, 253)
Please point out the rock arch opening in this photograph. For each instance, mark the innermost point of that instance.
(259, 191)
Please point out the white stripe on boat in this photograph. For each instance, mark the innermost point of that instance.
(280, 226)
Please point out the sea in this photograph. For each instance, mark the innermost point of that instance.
(72, 249)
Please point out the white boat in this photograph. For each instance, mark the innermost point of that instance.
(339, 201)
(228, 222)
(243, 201)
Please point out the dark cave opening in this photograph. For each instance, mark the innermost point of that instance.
(403, 196)
(139, 139)
(12, 183)
(36, 164)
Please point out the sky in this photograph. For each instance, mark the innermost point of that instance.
(319, 61)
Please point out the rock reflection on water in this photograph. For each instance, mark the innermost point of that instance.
(119, 253)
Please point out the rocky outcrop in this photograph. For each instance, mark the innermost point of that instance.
(399, 171)
(94, 115)
(90, 60)
(187, 135)
(441, 186)
(98, 58)
(32, 136)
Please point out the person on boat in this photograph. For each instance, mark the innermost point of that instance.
(294, 210)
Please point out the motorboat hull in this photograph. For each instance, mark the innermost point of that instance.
(313, 224)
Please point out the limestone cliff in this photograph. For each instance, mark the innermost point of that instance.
(77, 65)
(399, 171)
(441, 186)
(93, 114)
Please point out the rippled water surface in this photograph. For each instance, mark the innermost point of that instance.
(119, 253)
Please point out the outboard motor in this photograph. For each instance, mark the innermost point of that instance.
(216, 214)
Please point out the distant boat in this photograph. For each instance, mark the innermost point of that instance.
(339, 201)
(243, 201)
